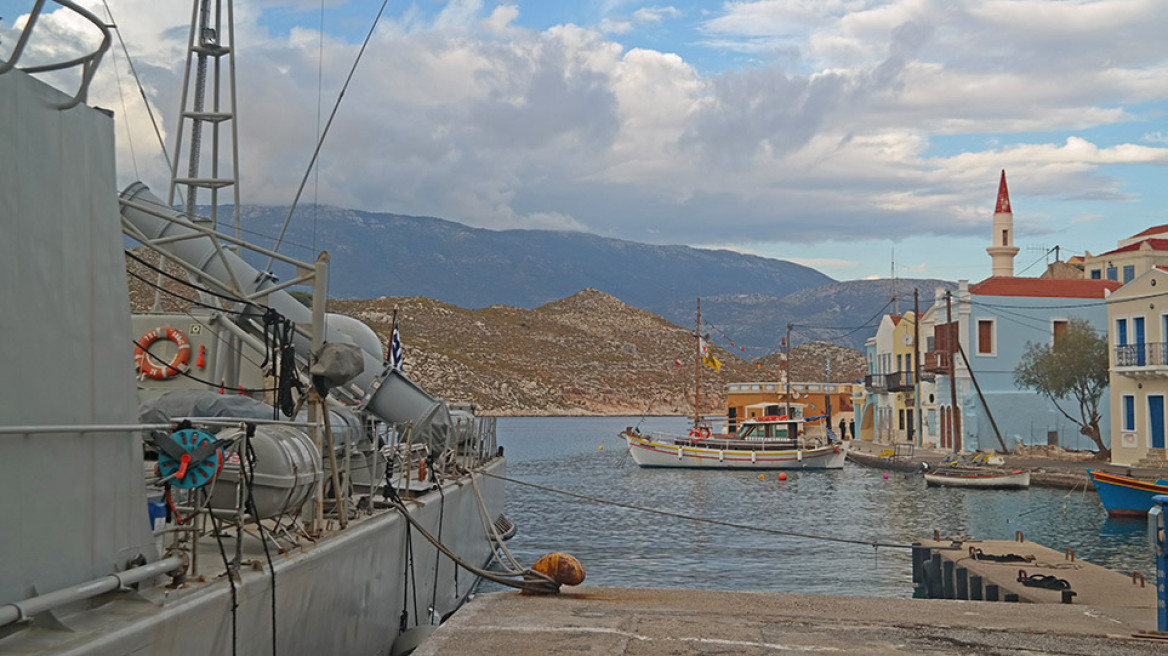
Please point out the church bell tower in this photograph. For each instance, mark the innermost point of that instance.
(1003, 250)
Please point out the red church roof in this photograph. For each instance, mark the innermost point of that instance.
(1045, 287)
(1156, 244)
(1003, 206)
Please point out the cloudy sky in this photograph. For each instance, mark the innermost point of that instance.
(836, 133)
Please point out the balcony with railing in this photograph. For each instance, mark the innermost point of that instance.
(936, 362)
(900, 381)
(876, 382)
(1147, 360)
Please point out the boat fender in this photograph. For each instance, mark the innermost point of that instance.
(145, 361)
(560, 567)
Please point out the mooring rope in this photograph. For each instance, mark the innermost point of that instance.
(533, 581)
(705, 520)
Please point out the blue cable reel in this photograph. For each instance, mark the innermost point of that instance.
(189, 458)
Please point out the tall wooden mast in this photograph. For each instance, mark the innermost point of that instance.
(698, 366)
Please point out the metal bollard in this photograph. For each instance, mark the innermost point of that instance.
(947, 580)
(962, 590)
(1156, 539)
(975, 589)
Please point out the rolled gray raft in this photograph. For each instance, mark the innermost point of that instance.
(389, 395)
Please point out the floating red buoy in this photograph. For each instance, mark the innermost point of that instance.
(782, 476)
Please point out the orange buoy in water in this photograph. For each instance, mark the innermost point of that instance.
(782, 476)
(560, 567)
(761, 477)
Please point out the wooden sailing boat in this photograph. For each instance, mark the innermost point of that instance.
(769, 442)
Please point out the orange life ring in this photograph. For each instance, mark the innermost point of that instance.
(700, 433)
(147, 364)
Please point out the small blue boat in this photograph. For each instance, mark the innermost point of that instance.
(1124, 496)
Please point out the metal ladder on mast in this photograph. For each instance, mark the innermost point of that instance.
(206, 50)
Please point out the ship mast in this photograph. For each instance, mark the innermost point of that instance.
(206, 49)
(698, 365)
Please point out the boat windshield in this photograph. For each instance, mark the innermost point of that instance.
(764, 432)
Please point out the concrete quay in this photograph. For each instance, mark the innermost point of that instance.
(965, 570)
(604, 620)
(1044, 471)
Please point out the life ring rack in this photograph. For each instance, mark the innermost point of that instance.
(699, 433)
(148, 364)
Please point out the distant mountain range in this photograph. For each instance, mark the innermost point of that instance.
(746, 298)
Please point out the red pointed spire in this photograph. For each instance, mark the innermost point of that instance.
(1003, 197)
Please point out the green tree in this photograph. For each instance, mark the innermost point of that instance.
(1074, 368)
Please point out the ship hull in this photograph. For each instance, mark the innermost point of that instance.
(984, 479)
(647, 452)
(1124, 496)
(345, 595)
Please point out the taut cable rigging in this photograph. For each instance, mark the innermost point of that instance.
(706, 520)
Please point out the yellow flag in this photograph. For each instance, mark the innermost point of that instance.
(708, 358)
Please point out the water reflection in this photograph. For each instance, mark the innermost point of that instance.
(619, 546)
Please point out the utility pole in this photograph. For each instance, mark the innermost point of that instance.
(954, 413)
(917, 364)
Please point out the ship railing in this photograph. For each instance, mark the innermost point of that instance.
(88, 62)
(306, 271)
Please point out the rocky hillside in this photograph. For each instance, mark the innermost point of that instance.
(586, 354)
(809, 363)
(589, 353)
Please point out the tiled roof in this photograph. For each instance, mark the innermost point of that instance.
(895, 319)
(1151, 231)
(1156, 244)
(1045, 287)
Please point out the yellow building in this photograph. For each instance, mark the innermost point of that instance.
(1132, 258)
(1137, 317)
(890, 411)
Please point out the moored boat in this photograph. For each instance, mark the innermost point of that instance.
(771, 442)
(980, 477)
(1124, 496)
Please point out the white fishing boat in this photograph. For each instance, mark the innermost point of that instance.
(980, 477)
(770, 442)
(765, 442)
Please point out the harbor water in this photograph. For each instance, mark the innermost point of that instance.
(626, 547)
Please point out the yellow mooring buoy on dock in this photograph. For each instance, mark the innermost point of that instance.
(561, 567)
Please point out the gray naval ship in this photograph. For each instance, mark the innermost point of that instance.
(326, 505)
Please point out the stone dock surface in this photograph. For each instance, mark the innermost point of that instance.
(606, 620)
(1123, 596)
(1068, 471)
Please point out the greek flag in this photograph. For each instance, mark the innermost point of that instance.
(396, 356)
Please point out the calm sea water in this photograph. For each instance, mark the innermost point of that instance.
(625, 547)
